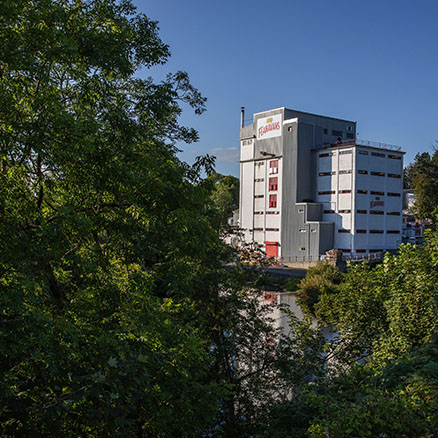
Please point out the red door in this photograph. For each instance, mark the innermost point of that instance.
(271, 249)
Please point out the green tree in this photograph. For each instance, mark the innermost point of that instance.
(422, 177)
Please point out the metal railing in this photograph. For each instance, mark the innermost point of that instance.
(360, 142)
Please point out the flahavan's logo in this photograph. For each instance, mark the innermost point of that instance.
(376, 204)
(269, 126)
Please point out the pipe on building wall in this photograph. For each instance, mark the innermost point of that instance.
(242, 116)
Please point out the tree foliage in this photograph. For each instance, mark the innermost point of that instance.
(422, 177)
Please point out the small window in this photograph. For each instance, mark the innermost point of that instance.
(345, 152)
(260, 163)
(301, 210)
(377, 193)
(344, 211)
(361, 251)
(362, 192)
(394, 194)
(259, 179)
(302, 230)
(345, 250)
(376, 231)
(327, 173)
(272, 201)
(329, 211)
(378, 154)
(344, 191)
(327, 192)
(326, 154)
(273, 166)
(258, 229)
(271, 229)
(361, 212)
(273, 184)
(342, 230)
(362, 152)
(259, 196)
(258, 212)
(394, 157)
(361, 231)
(325, 131)
(313, 230)
(272, 212)
(393, 213)
(362, 172)
(349, 128)
(394, 175)
(337, 133)
(289, 128)
(378, 212)
(344, 172)
(393, 232)
(302, 248)
(378, 173)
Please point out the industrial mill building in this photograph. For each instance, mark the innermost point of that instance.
(308, 186)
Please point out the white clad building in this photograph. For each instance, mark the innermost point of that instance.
(307, 186)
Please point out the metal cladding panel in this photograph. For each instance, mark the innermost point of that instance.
(326, 232)
(247, 195)
(305, 168)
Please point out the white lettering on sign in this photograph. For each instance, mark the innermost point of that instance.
(268, 127)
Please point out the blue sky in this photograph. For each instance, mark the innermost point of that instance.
(375, 62)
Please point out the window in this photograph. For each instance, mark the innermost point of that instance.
(361, 231)
(394, 194)
(259, 196)
(362, 152)
(329, 211)
(348, 151)
(344, 211)
(361, 212)
(326, 154)
(394, 157)
(327, 173)
(376, 212)
(273, 184)
(345, 250)
(344, 191)
(260, 163)
(313, 230)
(258, 229)
(302, 248)
(302, 230)
(378, 173)
(362, 192)
(246, 142)
(301, 210)
(393, 232)
(289, 129)
(272, 229)
(258, 212)
(393, 213)
(337, 133)
(376, 250)
(342, 230)
(272, 212)
(273, 166)
(361, 251)
(394, 175)
(327, 192)
(259, 179)
(378, 154)
(272, 201)
(325, 131)
(344, 172)
(349, 128)
(377, 193)
(363, 172)
(376, 231)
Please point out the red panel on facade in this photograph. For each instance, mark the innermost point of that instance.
(271, 249)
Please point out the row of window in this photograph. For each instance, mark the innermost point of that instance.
(378, 212)
(362, 251)
(268, 212)
(361, 172)
(266, 229)
(343, 230)
(361, 152)
(246, 142)
(359, 191)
